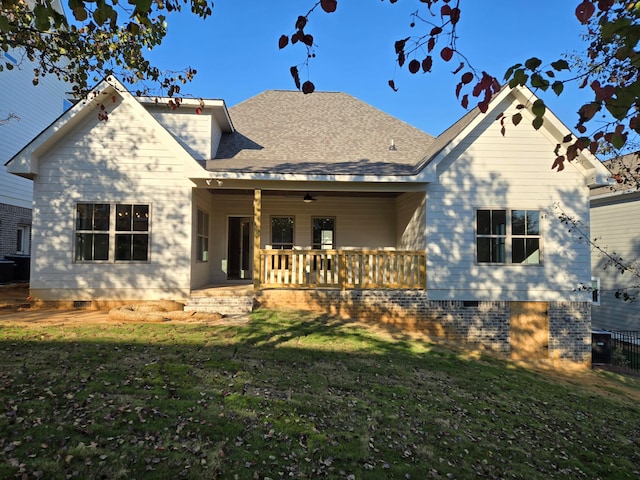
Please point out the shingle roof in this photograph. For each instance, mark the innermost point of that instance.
(626, 170)
(448, 135)
(321, 133)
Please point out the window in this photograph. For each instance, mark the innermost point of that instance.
(23, 237)
(92, 231)
(508, 236)
(595, 290)
(282, 232)
(281, 238)
(127, 231)
(132, 232)
(323, 233)
(525, 230)
(202, 236)
(491, 235)
(323, 236)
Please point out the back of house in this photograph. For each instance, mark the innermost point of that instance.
(318, 202)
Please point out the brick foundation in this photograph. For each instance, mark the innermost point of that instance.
(484, 325)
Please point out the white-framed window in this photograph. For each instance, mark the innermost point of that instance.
(132, 232)
(323, 233)
(595, 290)
(282, 232)
(92, 232)
(202, 236)
(23, 240)
(103, 237)
(506, 236)
(282, 238)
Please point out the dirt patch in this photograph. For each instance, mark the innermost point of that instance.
(14, 296)
(73, 318)
(38, 317)
(159, 313)
(15, 309)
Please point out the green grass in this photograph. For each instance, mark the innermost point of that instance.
(291, 395)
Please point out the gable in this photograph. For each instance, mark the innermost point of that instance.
(508, 102)
(125, 155)
(197, 125)
(98, 107)
(514, 168)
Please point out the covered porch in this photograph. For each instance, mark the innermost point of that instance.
(296, 238)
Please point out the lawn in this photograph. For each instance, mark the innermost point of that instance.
(291, 395)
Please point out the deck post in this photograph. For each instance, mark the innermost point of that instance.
(342, 270)
(257, 215)
(423, 272)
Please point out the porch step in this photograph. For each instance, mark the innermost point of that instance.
(225, 303)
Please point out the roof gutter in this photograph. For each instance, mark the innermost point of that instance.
(615, 193)
(297, 177)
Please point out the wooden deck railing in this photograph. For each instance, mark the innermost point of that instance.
(344, 269)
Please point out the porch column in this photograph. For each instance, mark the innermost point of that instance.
(257, 213)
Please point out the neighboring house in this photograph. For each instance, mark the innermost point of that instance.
(614, 211)
(320, 202)
(25, 110)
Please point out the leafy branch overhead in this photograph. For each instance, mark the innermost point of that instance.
(103, 37)
(305, 39)
(609, 68)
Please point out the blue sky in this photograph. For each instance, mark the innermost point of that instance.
(236, 51)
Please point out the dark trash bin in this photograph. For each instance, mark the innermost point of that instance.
(23, 265)
(6, 271)
(601, 346)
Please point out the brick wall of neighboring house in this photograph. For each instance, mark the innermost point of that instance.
(11, 218)
(481, 324)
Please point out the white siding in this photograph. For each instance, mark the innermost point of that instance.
(360, 222)
(36, 107)
(614, 227)
(201, 271)
(121, 160)
(198, 134)
(488, 170)
(411, 219)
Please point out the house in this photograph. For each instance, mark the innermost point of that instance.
(25, 111)
(319, 202)
(614, 209)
